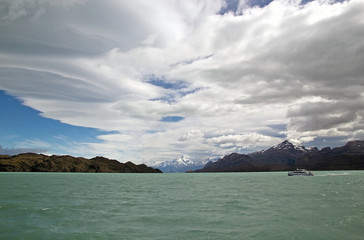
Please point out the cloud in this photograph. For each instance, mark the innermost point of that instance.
(240, 141)
(191, 134)
(236, 77)
(15, 151)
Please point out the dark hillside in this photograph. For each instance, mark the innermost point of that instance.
(287, 156)
(32, 162)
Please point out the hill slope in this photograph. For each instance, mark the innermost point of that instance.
(348, 157)
(32, 162)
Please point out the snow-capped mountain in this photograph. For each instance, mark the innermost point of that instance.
(180, 164)
(286, 145)
(283, 146)
(277, 157)
(180, 161)
(283, 153)
(282, 157)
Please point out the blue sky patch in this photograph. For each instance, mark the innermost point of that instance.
(19, 123)
(232, 5)
(161, 82)
(172, 119)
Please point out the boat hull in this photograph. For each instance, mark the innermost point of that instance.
(300, 172)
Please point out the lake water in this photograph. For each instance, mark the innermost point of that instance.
(190, 206)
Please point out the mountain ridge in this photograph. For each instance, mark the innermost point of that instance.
(33, 162)
(287, 156)
(180, 164)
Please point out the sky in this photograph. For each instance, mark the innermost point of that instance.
(148, 81)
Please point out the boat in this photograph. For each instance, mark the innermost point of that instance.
(300, 172)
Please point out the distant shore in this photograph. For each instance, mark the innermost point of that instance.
(33, 162)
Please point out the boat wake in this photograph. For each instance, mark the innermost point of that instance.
(333, 174)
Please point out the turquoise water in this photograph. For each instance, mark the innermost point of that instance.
(182, 206)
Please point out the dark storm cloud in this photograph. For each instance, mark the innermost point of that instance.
(327, 115)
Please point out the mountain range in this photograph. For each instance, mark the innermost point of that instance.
(33, 162)
(282, 157)
(180, 164)
(287, 156)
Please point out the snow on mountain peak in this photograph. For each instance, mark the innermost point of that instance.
(288, 145)
(180, 164)
(183, 160)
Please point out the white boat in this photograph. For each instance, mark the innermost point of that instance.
(300, 172)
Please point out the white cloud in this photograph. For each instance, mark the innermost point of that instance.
(237, 141)
(229, 76)
(33, 144)
(15, 151)
(191, 134)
